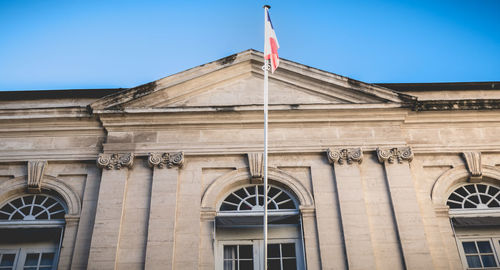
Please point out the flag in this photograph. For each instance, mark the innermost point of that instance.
(271, 44)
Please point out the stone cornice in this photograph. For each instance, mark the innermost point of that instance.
(398, 154)
(115, 161)
(166, 160)
(455, 105)
(346, 155)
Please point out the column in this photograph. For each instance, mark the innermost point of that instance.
(106, 234)
(159, 249)
(355, 224)
(405, 206)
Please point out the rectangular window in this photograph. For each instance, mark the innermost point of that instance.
(479, 254)
(238, 257)
(7, 259)
(281, 257)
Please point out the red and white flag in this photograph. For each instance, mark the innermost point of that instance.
(271, 44)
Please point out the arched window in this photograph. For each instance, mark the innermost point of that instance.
(475, 216)
(475, 196)
(33, 207)
(251, 198)
(30, 232)
(239, 229)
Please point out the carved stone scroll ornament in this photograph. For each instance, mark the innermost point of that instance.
(36, 170)
(391, 155)
(341, 156)
(115, 161)
(166, 160)
(473, 160)
(256, 165)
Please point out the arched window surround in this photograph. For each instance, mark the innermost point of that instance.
(224, 184)
(456, 177)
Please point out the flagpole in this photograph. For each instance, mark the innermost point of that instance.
(266, 68)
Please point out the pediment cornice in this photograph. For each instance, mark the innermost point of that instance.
(220, 80)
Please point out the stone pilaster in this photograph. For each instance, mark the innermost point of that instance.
(355, 223)
(207, 240)
(405, 206)
(109, 212)
(160, 243)
(310, 241)
(68, 243)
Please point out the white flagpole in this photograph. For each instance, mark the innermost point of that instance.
(266, 68)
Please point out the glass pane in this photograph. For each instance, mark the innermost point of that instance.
(469, 247)
(273, 251)
(473, 261)
(484, 247)
(29, 268)
(246, 252)
(31, 259)
(288, 250)
(246, 265)
(45, 268)
(273, 264)
(488, 261)
(229, 265)
(47, 259)
(229, 252)
(8, 259)
(289, 264)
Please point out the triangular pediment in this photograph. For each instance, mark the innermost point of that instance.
(238, 80)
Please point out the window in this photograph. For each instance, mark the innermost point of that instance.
(480, 253)
(31, 227)
(239, 239)
(475, 196)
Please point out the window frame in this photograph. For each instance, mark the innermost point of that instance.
(494, 240)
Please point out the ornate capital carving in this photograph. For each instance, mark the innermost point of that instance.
(256, 166)
(36, 170)
(473, 160)
(166, 160)
(392, 154)
(115, 161)
(342, 156)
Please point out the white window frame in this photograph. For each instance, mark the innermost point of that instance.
(21, 254)
(258, 251)
(492, 239)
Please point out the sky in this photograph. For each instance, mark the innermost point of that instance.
(74, 44)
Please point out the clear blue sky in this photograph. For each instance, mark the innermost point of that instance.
(48, 44)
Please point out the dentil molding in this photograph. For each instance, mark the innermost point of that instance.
(115, 161)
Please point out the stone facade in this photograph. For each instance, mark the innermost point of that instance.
(142, 172)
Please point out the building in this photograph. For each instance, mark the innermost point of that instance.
(168, 175)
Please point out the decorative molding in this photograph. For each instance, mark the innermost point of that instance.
(473, 160)
(36, 169)
(115, 161)
(307, 211)
(256, 166)
(392, 154)
(166, 160)
(341, 156)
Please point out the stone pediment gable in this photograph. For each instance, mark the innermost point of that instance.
(238, 80)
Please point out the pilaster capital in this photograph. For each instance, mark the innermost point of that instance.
(398, 154)
(347, 155)
(36, 169)
(307, 210)
(473, 160)
(207, 214)
(115, 161)
(166, 160)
